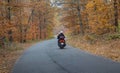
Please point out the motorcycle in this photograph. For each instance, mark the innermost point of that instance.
(61, 43)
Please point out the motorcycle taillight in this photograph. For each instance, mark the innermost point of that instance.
(61, 41)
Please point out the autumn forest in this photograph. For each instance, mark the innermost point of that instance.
(88, 24)
(22, 20)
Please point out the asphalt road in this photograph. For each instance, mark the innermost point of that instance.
(46, 57)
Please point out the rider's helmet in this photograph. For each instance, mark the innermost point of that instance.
(61, 31)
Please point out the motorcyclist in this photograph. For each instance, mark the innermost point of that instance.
(61, 35)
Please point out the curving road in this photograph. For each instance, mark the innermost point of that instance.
(46, 57)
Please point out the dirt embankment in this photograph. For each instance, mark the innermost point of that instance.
(107, 48)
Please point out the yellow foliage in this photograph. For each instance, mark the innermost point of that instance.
(100, 16)
(26, 20)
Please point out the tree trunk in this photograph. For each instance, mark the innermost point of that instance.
(115, 13)
(9, 12)
(80, 19)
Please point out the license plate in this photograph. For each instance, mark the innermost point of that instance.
(62, 43)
